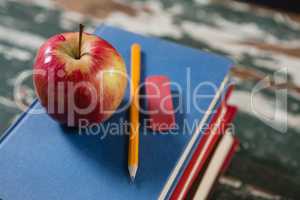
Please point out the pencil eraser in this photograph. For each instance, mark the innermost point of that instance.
(159, 103)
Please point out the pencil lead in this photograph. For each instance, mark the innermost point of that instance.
(132, 179)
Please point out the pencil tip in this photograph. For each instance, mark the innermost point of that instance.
(132, 172)
(132, 179)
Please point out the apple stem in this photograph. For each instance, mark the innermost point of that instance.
(81, 27)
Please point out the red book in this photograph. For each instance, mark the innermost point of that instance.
(225, 165)
(218, 125)
(203, 187)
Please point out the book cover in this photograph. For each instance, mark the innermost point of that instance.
(43, 160)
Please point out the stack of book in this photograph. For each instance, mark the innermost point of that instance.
(41, 159)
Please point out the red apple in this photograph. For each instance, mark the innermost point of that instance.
(79, 88)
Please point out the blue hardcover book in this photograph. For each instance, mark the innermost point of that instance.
(41, 159)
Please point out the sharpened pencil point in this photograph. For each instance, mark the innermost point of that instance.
(132, 172)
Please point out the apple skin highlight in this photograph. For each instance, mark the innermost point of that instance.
(88, 88)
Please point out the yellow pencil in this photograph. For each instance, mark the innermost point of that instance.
(133, 149)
